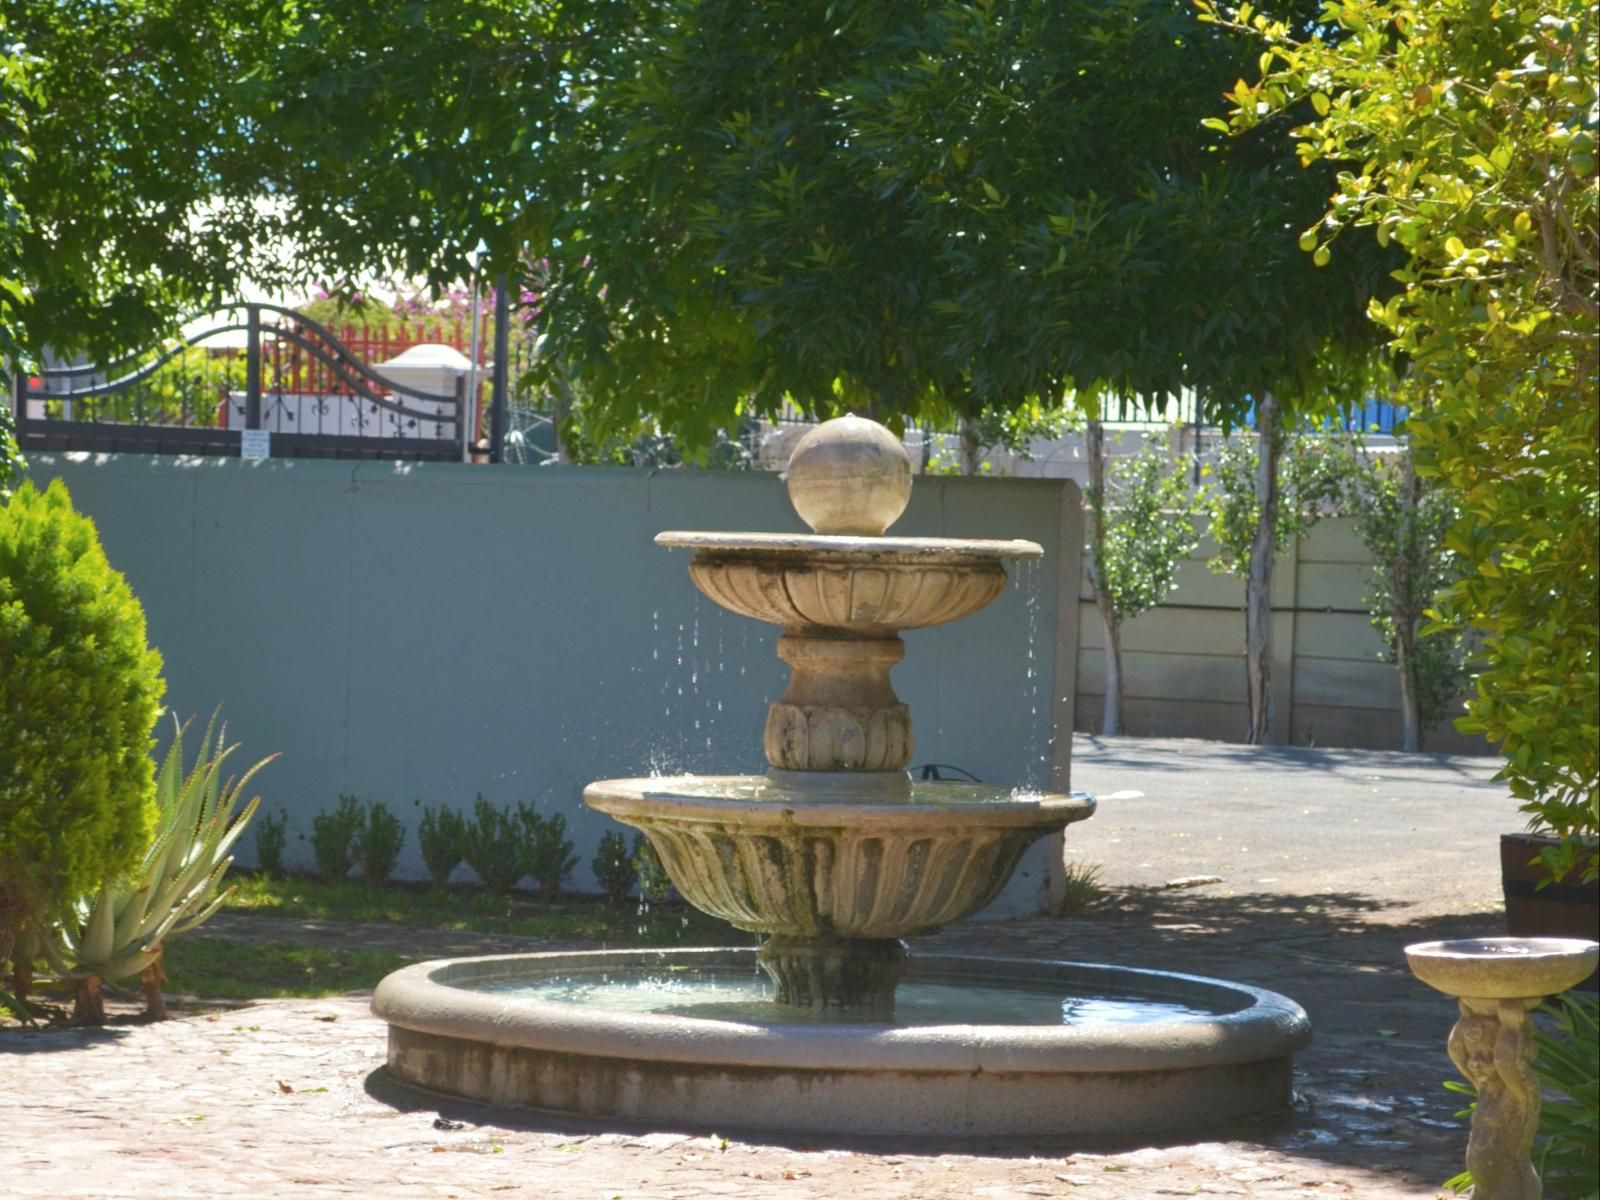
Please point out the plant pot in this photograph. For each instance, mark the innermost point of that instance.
(1568, 907)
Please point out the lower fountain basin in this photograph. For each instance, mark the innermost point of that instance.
(1049, 1048)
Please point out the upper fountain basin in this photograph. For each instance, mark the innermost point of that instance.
(864, 585)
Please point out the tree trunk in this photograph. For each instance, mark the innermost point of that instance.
(971, 448)
(8, 939)
(1095, 450)
(21, 980)
(14, 914)
(1258, 585)
(88, 1005)
(1405, 662)
(150, 981)
(1403, 607)
(1111, 714)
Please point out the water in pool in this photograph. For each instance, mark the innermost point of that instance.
(735, 995)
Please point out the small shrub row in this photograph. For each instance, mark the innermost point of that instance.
(504, 846)
(349, 836)
(501, 846)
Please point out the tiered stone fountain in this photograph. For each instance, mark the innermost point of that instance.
(831, 856)
(835, 856)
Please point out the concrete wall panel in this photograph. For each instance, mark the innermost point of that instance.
(1334, 585)
(1214, 631)
(421, 634)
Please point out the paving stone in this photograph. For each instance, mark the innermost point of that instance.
(196, 1108)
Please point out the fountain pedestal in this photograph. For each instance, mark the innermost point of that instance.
(840, 712)
(844, 976)
(1498, 982)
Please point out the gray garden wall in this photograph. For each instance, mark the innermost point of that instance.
(418, 634)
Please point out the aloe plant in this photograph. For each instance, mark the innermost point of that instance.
(122, 930)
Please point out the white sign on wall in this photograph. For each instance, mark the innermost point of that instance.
(255, 443)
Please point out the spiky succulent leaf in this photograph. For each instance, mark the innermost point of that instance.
(134, 908)
(209, 910)
(99, 934)
(120, 931)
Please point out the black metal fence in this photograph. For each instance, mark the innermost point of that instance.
(260, 367)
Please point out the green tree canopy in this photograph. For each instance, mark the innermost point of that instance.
(930, 210)
(134, 174)
(934, 209)
(919, 209)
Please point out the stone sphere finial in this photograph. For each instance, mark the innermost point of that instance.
(849, 476)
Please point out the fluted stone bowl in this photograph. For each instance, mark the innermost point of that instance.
(864, 585)
(834, 867)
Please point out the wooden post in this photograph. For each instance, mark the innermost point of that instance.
(19, 405)
(461, 411)
(502, 370)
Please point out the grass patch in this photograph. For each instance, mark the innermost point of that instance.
(1081, 888)
(475, 911)
(218, 969)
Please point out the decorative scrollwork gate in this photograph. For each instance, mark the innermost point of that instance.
(196, 396)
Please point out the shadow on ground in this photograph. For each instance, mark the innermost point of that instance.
(1171, 757)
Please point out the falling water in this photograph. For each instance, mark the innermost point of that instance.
(1038, 774)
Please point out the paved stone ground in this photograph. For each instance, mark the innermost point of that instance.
(1330, 861)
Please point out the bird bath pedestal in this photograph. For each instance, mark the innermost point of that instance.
(1499, 981)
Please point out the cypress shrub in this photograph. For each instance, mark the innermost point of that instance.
(80, 690)
(547, 850)
(334, 836)
(492, 845)
(379, 843)
(613, 866)
(440, 836)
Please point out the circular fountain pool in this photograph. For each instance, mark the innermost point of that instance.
(978, 1046)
